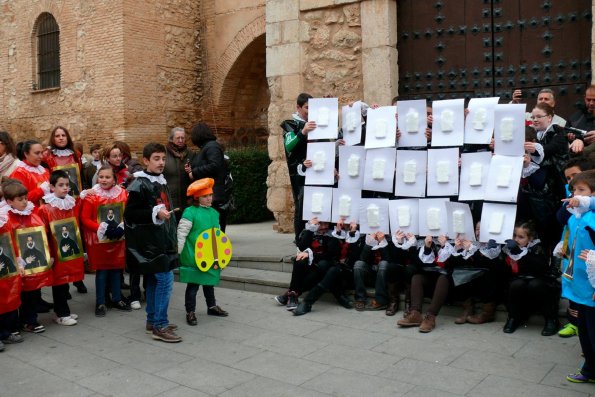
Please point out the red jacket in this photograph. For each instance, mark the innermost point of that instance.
(36, 275)
(32, 178)
(102, 255)
(10, 279)
(67, 251)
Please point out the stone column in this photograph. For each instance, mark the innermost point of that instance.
(283, 71)
(379, 50)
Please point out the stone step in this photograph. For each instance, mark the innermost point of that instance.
(262, 263)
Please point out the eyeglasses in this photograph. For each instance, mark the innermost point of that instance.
(538, 116)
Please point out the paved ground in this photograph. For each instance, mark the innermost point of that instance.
(262, 350)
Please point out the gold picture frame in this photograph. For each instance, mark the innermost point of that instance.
(7, 256)
(74, 175)
(72, 243)
(36, 260)
(103, 215)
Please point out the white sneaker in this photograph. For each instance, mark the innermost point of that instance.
(135, 305)
(65, 321)
(74, 316)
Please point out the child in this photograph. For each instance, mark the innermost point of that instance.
(10, 287)
(105, 247)
(151, 244)
(532, 286)
(30, 172)
(430, 274)
(578, 278)
(197, 218)
(91, 168)
(22, 219)
(65, 248)
(574, 167)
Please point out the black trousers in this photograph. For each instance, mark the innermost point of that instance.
(60, 296)
(586, 335)
(297, 190)
(9, 323)
(28, 310)
(528, 295)
(190, 296)
(305, 276)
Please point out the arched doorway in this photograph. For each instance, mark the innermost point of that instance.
(244, 98)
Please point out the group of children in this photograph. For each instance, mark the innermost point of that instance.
(41, 224)
(519, 273)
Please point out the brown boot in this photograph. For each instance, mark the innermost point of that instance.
(467, 311)
(487, 314)
(413, 319)
(393, 298)
(428, 323)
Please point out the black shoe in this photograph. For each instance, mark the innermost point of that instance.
(121, 305)
(551, 327)
(510, 326)
(302, 309)
(217, 311)
(44, 306)
(344, 301)
(124, 285)
(81, 288)
(100, 311)
(191, 318)
(292, 300)
(281, 299)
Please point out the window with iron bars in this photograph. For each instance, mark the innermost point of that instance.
(48, 52)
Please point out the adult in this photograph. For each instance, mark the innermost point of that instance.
(30, 172)
(584, 118)
(8, 154)
(295, 137)
(552, 147)
(545, 95)
(209, 163)
(176, 157)
(60, 151)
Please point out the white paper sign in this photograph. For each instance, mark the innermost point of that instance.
(497, 222)
(474, 175)
(380, 169)
(352, 160)
(504, 178)
(448, 125)
(509, 129)
(322, 171)
(460, 221)
(479, 123)
(325, 112)
(404, 215)
(317, 203)
(351, 123)
(381, 127)
(433, 218)
(443, 172)
(410, 176)
(346, 205)
(412, 114)
(373, 216)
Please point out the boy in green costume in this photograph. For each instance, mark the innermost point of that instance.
(196, 219)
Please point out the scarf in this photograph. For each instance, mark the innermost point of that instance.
(5, 162)
(177, 151)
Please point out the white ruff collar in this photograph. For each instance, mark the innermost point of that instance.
(37, 170)
(62, 152)
(27, 211)
(66, 203)
(160, 179)
(109, 193)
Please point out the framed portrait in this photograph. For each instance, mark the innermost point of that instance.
(32, 244)
(67, 236)
(113, 215)
(8, 262)
(74, 175)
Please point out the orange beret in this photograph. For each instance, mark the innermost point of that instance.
(200, 188)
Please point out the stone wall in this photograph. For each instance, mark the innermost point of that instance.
(343, 48)
(129, 71)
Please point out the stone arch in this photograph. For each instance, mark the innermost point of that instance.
(231, 54)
